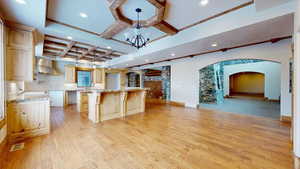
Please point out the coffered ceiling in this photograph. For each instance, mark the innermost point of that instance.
(178, 14)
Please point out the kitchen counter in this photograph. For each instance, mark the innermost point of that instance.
(29, 96)
(110, 104)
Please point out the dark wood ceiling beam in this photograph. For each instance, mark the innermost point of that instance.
(117, 27)
(87, 52)
(48, 42)
(122, 22)
(53, 48)
(79, 43)
(49, 53)
(166, 27)
(157, 3)
(69, 47)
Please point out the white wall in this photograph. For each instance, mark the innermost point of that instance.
(296, 91)
(185, 75)
(271, 70)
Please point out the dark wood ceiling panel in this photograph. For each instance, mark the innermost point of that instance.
(60, 47)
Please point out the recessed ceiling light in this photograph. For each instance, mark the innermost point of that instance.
(69, 37)
(108, 47)
(203, 2)
(83, 15)
(21, 1)
(172, 54)
(214, 45)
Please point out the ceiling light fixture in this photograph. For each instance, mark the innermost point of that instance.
(138, 40)
(21, 1)
(203, 2)
(83, 15)
(172, 54)
(69, 37)
(108, 47)
(214, 45)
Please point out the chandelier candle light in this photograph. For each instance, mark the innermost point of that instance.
(138, 40)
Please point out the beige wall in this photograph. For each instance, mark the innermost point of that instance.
(247, 82)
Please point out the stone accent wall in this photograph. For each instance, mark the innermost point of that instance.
(165, 78)
(207, 89)
(212, 80)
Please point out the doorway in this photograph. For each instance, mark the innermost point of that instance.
(247, 84)
(251, 87)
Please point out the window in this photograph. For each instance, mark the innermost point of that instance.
(2, 105)
(84, 79)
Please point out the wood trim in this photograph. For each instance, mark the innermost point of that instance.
(84, 30)
(214, 51)
(159, 38)
(217, 15)
(71, 26)
(273, 100)
(160, 101)
(120, 41)
(285, 118)
(179, 104)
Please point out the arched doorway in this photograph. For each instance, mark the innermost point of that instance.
(251, 87)
(248, 84)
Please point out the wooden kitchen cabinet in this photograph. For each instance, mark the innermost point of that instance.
(99, 76)
(28, 119)
(19, 55)
(70, 74)
(19, 65)
(19, 38)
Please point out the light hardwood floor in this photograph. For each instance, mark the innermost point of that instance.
(164, 137)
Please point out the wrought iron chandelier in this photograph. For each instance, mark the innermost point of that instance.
(138, 40)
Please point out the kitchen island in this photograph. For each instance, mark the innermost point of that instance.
(110, 104)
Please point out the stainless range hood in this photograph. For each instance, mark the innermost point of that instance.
(46, 66)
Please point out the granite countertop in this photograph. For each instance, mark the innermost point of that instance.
(29, 96)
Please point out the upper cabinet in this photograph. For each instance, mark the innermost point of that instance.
(19, 54)
(99, 76)
(19, 39)
(70, 74)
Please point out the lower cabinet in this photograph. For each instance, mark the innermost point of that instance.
(28, 119)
